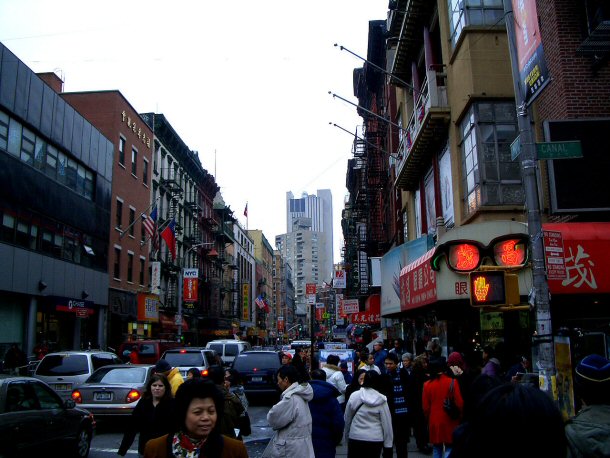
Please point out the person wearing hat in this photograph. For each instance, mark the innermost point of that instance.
(588, 433)
(172, 374)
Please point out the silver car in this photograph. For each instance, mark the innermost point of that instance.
(113, 390)
(65, 369)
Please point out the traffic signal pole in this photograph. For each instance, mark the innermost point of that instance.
(543, 338)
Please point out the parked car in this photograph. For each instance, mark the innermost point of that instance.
(258, 371)
(228, 349)
(149, 351)
(189, 357)
(114, 389)
(66, 369)
(35, 421)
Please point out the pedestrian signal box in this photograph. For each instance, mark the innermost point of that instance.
(493, 288)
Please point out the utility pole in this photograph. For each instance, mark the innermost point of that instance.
(543, 339)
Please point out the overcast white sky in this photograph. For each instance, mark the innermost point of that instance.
(243, 82)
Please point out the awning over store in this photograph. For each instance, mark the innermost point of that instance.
(586, 248)
(418, 283)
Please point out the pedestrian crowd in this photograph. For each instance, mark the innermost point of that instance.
(450, 409)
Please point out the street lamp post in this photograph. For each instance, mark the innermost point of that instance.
(180, 286)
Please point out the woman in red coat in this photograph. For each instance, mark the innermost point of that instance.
(436, 390)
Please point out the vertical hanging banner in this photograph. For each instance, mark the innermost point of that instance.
(245, 313)
(533, 71)
(155, 277)
(190, 285)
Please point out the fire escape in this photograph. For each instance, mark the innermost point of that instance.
(171, 192)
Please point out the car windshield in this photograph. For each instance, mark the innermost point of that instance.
(251, 361)
(190, 358)
(217, 348)
(231, 350)
(118, 375)
(63, 364)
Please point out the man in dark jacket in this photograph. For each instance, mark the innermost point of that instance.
(399, 388)
(326, 415)
(233, 408)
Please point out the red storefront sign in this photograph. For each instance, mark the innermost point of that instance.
(372, 313)
(554, 255)
(586, 253)
(418, 283)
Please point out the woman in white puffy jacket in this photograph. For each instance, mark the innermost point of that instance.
(368, 424)
(290, 418)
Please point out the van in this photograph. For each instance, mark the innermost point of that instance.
(149, 351)
(185, 358)
(228, 349)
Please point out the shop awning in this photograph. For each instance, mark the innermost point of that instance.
(586, 248)
(418, 283)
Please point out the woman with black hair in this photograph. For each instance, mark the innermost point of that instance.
(152, 416)
(290, 418)
(199, 406)
(300, 364)
(368, 423)
(355, 384)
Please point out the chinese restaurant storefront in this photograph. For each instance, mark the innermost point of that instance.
(435, 294)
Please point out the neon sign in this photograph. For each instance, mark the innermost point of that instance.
(509, 253)
(464, 256)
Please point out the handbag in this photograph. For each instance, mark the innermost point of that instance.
(245, 428)
(449, 405)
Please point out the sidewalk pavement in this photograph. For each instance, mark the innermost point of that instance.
(413, 453)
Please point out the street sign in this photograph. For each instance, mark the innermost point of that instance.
(319, 305)
(559, 150)
(554, 255)
(515, 148)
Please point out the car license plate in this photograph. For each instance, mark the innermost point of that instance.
(257, 379)
(102, 396)
(61, 386)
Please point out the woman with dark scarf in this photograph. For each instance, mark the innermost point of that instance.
(199, 406)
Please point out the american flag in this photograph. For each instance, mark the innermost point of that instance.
(150, 226)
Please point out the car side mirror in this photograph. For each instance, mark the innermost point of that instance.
(69, 404)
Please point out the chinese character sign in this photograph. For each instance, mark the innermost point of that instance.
(586, 248)
(190, 285)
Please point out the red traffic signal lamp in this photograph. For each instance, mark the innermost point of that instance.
(493, 288)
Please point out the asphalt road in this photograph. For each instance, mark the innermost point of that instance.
(109, 434)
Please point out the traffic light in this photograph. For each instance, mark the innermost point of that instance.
(493, 287)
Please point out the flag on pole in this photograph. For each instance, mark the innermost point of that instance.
(246, 210)
(150, 226)
(259, 302)
(169, 235)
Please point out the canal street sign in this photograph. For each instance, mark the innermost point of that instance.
(559, 150)
(515, 148)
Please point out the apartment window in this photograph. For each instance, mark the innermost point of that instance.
(142, 270)
(489, 175)
(145, 173)
(463, 13)
(116, 272)
(119, 214)
(129, 266)
(122, 151)
(134, 161)
(3, 130)
(405, 225)
(28, 141)
(132, 220)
